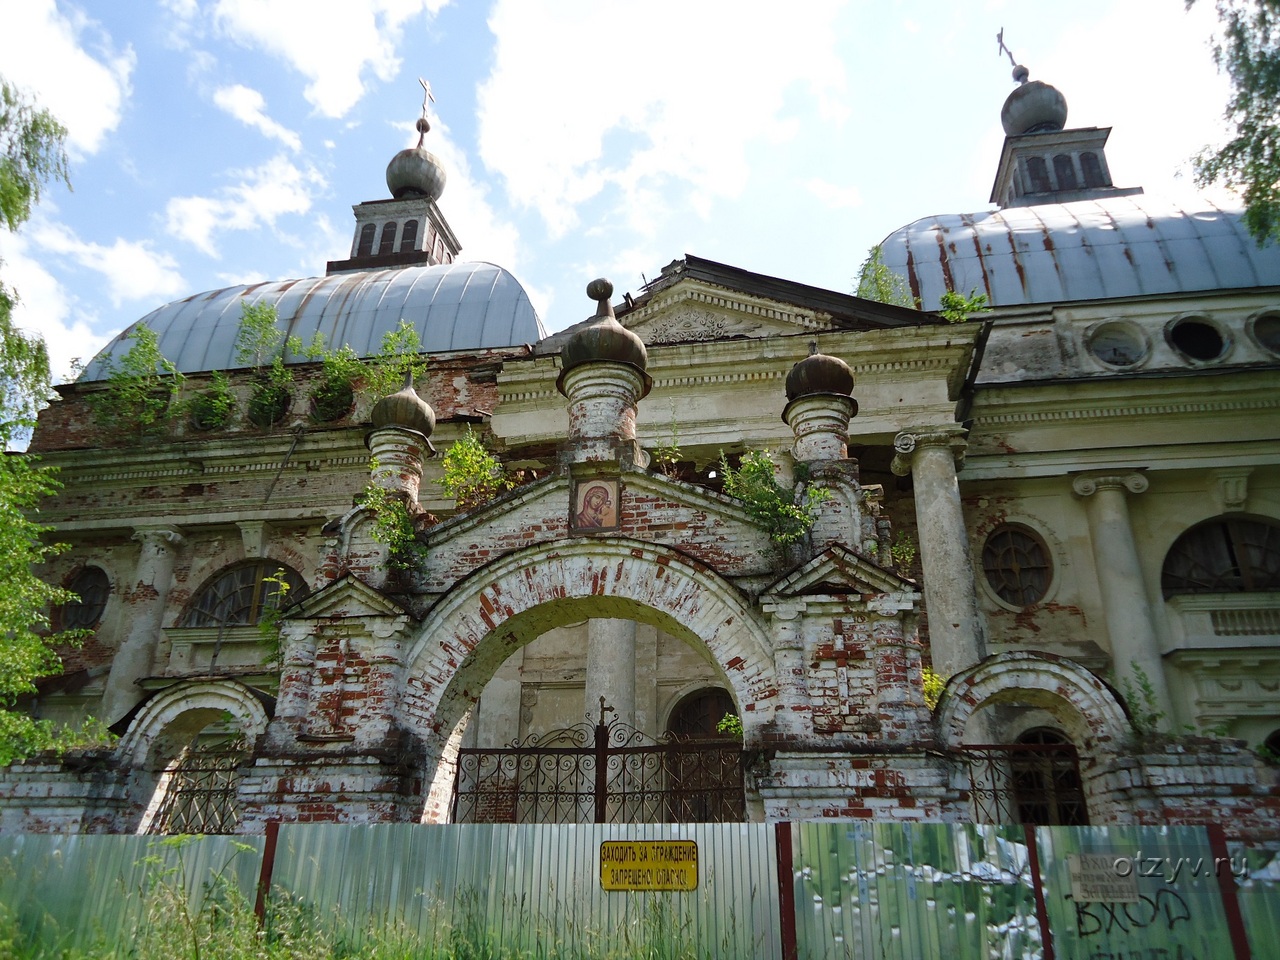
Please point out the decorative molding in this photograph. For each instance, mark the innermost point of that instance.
(1086, 485)
(908, 442)
(1142, 410)
(1230, 487)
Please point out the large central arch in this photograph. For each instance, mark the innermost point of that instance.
(501, 607)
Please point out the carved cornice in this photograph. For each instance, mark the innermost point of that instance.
(1087, 484)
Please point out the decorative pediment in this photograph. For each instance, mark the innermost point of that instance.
(692, 310)
(838, 570)
(348, 597)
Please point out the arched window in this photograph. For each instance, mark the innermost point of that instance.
(1046, 779)
(365, 248)
(409, 236)
(1017, 565)
(1224, 555)
(1093, 176)
(1038, 174)
(236, 596)
(197, 792)
(388, 242)
(698, 714)
(1065, 171)
(91, 585)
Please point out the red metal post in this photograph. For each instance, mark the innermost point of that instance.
(268, 867)
(1037, 886)
(1227, 887)
(786, 891)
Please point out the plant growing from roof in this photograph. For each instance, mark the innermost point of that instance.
(393, 524)
(400, 355)
(260, 345)
(212, 408)
(957, 308)
(771, 504)
(472, 475)
(334, 393)
(877, 282)
(142, 386)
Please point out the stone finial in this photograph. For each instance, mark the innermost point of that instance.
(819, 373)
(604, 340)
(406, 409)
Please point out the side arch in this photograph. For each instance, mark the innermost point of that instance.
(169, 720)
(1086, 707)
(501, 607)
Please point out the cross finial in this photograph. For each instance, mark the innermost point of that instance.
(1004, 49)
(1020, 73)
(423, 123)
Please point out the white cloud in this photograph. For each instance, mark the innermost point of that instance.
(72, 67)
(566, 114)
(133, 271)
(834, 195)
(333, 43)
(45, 307)
(249, 107)
(264, 194)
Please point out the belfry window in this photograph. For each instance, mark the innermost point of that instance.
(1092, 169)
(1224, 556)
(388, 242)
(237, 596)
(1038, 174)
(365, 247)
(1065, 171)
(409, 236)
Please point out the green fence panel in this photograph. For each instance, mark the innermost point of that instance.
(1140, 891)
(913, 890)
(533, 891)
(91, 893)
(1257, 873)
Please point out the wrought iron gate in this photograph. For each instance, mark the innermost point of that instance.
(199, 789)
(606, 773)
(1026, 783)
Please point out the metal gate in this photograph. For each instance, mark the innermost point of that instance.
(199, 789)
(606, 773)
(1035, 783)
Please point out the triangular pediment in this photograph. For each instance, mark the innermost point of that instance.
(347, 597)
(838, 570)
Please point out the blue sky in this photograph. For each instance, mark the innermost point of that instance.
(217, 142)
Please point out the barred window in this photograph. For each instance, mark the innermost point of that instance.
(236, 596)
(91, 587)
(365, 247)
(698, 714)
(388, 242)
(409, 238)
(1017, 565)
(1224, 556)
(1093, 176)
(1065, 171)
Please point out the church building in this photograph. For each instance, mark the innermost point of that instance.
(757, 550)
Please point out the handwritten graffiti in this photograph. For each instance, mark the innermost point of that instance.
(1165, 910)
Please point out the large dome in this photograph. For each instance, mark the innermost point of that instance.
(1087, 250)
(457, 306)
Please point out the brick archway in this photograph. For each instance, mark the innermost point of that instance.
(501, 607)
(1085, 705)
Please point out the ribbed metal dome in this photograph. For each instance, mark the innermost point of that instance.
(1088, 250)
(457, 306)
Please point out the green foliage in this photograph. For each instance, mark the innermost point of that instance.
(472, 475)
(768, 502)
(392, 525)
(400, 356)
(31, 154)
(877, 282)
(272, 613)
(730, 724)
(142, 387)
(903, 551)
(212, 408)
(259, 342)
(1144, 705)
(957, 308)
(269, 401)
(334, 393)
(666, 455)
(934, 684)
(1248, 50)
(1267, 755)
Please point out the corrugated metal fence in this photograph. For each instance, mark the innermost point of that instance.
(862, 890)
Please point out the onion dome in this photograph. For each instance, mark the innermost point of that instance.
(1033, 107)
(416, 172)
(819, 373)
(604, 339)
(406, 409)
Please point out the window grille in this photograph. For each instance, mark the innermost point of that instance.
(1065, 171)
(237, 596)
(199, 790)
(1017, 565)
(388, 242)
(365, 247)
(1036, 780)
(409, 236)
(1224, 556)
(91, 586)
(1038, 174)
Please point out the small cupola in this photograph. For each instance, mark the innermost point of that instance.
(408, 229)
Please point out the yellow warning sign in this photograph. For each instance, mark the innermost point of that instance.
(649, 865)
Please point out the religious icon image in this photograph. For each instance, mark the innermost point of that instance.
(595, 505)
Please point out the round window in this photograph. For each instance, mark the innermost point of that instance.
(1197, 339)
(1118, 344)
(1017, 565)
(91, 587)
(1266, 330)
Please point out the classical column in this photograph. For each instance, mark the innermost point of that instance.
(145, 601)
(611, 669)
(793, 716)
(955, 626)
(1134, 644)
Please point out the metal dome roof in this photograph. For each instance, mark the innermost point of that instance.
(457, 306)
(1087, 250)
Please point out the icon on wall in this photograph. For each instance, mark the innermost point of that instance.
(595, 505)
